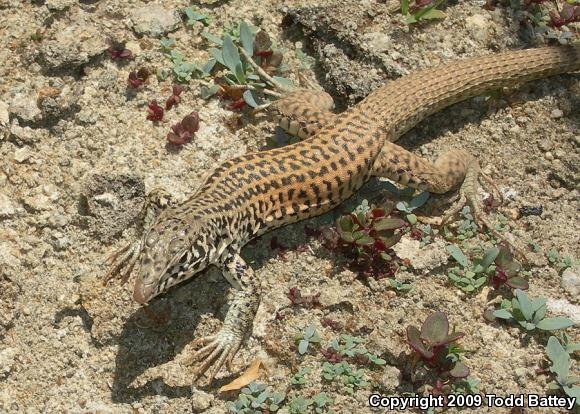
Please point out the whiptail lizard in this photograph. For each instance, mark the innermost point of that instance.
(251, 194)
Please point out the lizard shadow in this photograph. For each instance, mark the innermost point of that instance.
(154, 335)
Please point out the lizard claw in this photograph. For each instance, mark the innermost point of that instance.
(468, 195)
(217, 350)
(122, 262)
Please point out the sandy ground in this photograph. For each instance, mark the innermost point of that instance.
(78, 156)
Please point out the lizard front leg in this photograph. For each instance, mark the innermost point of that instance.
(223, 346)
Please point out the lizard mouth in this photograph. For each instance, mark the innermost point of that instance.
(142, 292)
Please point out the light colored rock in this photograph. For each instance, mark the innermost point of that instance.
(200, 400)
(4, 115)
(154, 20)
(478, 26)
(391, 379)
(73, 47)
(427, 257)
(22, 154)
(570, 280)
(24, 106)
(377, 42)
(557, 113)
(7, 209)
(39, 202)
(562, 307)
(7, 360)
(59, 5)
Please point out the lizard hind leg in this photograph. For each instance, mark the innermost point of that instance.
(453, 169)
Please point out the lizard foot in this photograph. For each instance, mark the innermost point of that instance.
(468, 196)
(122, 262)
(217, 350)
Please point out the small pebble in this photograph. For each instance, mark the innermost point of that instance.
(557, 113)
(549, 156)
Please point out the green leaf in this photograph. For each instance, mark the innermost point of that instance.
(389, 223)
(249, 99)
(240, 75)
(217, 55)
(525, 304)
(411, 218)
(552, 324)
(560, 359)
(502, 314)
(247, 38)
(573, 392)
(212, 38)
(302, 346)
(283, 81)
(207, 92)
(231, 55)
(434, 14)
(435, 328)
(518, 283)
(208, 66)
(414, 338)
(489, 257)
(404, 7)
(419, 200)
(365, 241)
(457, 254)
(460, 370)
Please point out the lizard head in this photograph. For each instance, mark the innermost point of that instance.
(173, 250)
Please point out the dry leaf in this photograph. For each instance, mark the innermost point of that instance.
(251, 374)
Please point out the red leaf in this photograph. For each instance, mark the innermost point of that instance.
(154, 111)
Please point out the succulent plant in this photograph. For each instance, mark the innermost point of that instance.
(433, 345)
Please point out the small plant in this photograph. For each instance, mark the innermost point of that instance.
(118, 51)
(167, 44)
(299, 379)
(154, 111)
(318, 404)
(497, 264)
(434, 346)
(183, 132)
(175, 98)
(530, 314)
(193, 16)
(560, 367)
(255, 398)
(350, 378)
(468, 385)
(309, 336)
(367, 237)
(569, 346)
(138, 78)
(412, 204)
(348, 346)
(558, 262)
(400, 286)
(244, 77)
(421, 10)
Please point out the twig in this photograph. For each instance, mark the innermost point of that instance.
(262, 73)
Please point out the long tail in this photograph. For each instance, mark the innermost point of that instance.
(403, 103)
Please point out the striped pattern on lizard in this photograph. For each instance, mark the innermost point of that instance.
(248, 195)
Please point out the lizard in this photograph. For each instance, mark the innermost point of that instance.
(246, 196)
